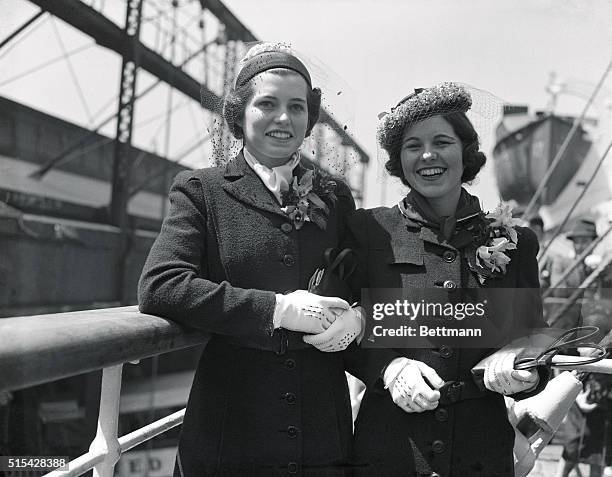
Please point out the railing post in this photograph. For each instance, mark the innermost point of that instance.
(106, 440)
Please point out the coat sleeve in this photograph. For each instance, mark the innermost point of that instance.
(366, 364)
(530, 309)
(529, 278)
(174, 281)
(346, 208)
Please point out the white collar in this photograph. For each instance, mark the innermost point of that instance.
(276, 179)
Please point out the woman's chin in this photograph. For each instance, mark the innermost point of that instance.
(430, 189)
(282, 151)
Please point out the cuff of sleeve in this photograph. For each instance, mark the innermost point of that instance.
(361, 316)
(264, 308)
(277, 316)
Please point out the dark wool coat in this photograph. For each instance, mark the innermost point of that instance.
(468, 434)
(262, 402)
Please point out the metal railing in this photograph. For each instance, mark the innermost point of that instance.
(40, 349)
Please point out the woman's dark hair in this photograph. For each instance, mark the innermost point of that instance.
(473, 159)
(234, 103)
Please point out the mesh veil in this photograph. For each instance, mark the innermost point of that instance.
(323, 146)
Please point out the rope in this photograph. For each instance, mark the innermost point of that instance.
(40, 172)
(576, 263)
(20, 29)
(73, 75)
(564, 146)
(47, 63)
(585, 284)
(578, 199)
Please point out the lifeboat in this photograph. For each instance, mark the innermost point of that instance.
(525, 148)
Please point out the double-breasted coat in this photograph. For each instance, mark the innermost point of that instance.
(468, 434)
(262, 401)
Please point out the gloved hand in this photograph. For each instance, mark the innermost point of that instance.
(413, 385)
(340, 334)
(583, 403)
(306, 312)
(501, 377)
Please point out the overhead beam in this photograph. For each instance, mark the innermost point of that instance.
(235, 28)
(109, 35)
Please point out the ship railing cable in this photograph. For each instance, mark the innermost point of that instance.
(578, 261)
(564, 146)
(560, 227)
(580, 290)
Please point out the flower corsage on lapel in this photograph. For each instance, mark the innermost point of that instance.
(493, 237)
(309, 199)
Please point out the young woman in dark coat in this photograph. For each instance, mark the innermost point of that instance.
(426, 416)
(233, 259)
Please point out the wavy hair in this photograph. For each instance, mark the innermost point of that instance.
(473, 158)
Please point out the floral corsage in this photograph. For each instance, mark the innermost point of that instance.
(499, 235)
(309, 199)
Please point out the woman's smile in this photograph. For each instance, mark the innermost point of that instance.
(431, 173)
(279, 134)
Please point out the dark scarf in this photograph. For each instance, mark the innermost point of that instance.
(455, 229)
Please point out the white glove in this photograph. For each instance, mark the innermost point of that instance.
(501, 377)
(406, 380)
(340, 334)
(306, 312)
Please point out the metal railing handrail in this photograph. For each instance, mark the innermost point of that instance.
(44, 348)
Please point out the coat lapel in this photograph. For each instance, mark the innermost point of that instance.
(428, 235)
(243, 184)
(406, 245)
(408, 241)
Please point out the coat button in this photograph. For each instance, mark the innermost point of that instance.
(446, 352)
(288, 260)
(451, 285)
(292, 432)
(286, 227)
(441, 415)
(449, 256)
(290, 363)
(290, 397)
(438, 447)
(292, 467)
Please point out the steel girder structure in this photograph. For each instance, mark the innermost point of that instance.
(107, 34)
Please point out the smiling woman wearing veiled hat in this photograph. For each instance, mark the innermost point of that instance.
(233, 259)
(427, 416)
